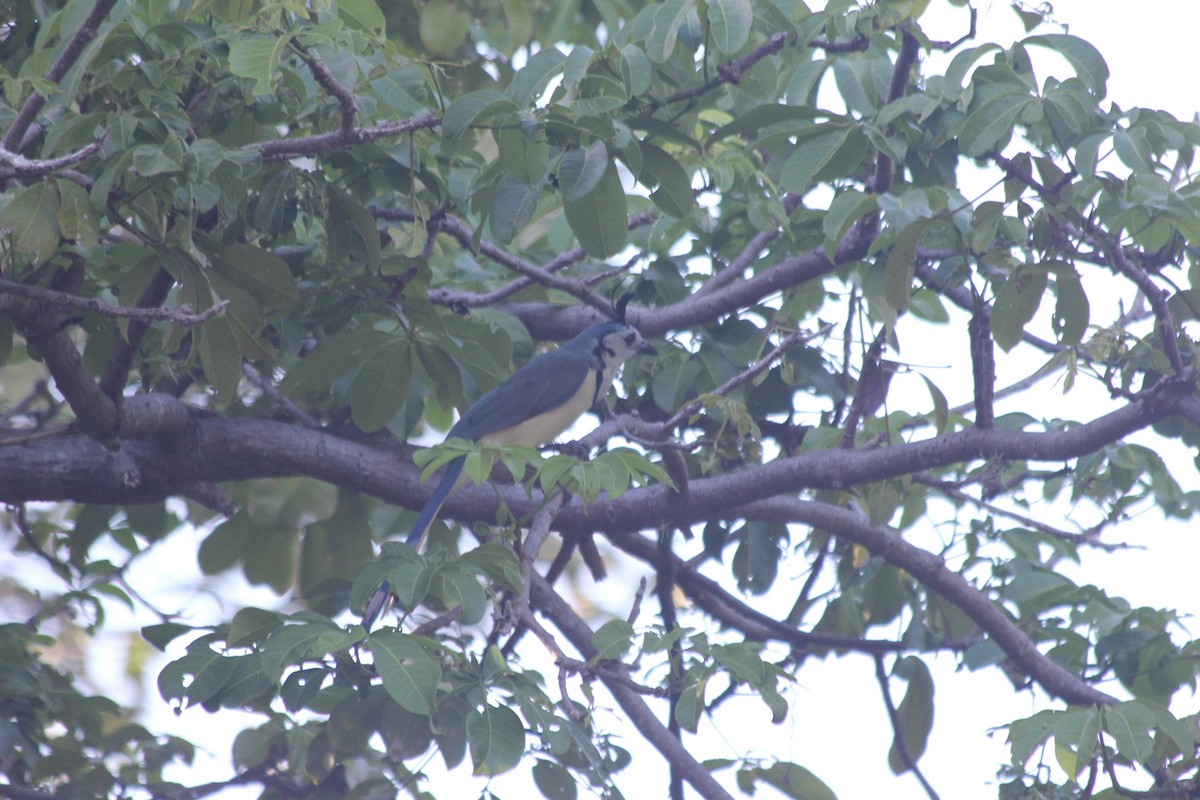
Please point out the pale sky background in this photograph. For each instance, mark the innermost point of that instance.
(836, 727)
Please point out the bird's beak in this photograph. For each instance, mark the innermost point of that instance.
(646, 349)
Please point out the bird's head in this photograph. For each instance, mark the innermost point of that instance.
(612, 343)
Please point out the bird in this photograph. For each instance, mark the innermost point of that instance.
(532, 407)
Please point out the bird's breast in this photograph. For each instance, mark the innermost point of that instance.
(547, 426)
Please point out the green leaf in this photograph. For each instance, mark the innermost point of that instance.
(668, 18)
(554, 781)
(1133, 150)
(252, 626)
(1130, 724)
(941, 407)
(163, 634)
(810, 157)
(1017, 300)
(221, 358)
(360, 220)
(531, 80)
(293, 644)
(845, 210)
(795, 781)
(496, 738)
(674, 193)
(613, 639)
(756, 560)
(150, 160)
(471, 108)
(580, 170)
(77, 217)
(265, 276)
(915, 712)
(380, 387)
(1083, 56)
(363, 15)
(742, 660)
(203, 670)
(729, 23)
(691, 705)
(496, 562)
(248, 682)
(1071, 310)
(410, 675)
(522, 156)
(519, 23)
(31, 217)
(457, 588)
(764, 116)
(302, 687)
(600, 220)
(902, 264)
(513, 204)
(952, 86)
(991, 123)
(257, 58)
(444, 25)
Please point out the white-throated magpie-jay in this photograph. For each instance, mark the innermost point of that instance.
(536, 404)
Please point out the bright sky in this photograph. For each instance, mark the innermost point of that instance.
(837, 727)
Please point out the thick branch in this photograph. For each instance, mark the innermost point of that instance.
(71, 468)
(44, 328)
(120, 361)
(983, 367)
(931, 571)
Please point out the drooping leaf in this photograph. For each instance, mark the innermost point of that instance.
(496, 738)
(914, 714)
(410, 675)
(600, 219)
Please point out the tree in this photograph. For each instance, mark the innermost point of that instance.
(251, 250)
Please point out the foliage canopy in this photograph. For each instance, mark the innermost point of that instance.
(251, 249)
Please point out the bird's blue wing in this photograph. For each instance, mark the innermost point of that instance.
(545, 383)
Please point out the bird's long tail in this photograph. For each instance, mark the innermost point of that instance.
(381, 600)
(449, 482)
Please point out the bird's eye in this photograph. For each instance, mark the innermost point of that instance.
(630, 338)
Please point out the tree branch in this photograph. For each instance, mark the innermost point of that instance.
(318, 144)
(983, 367)
(580, 635)
(182, 315)
(24, 168)
(71, 51)
(531, 273)
(898, 731)
(932, 572)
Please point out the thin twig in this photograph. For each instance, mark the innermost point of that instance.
(462, 300)
(729, 72)
(280, 149)
(22, 167)
(751, 372)
(181, 315)
(1090, 537)
(897, 732)
(268, 388)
